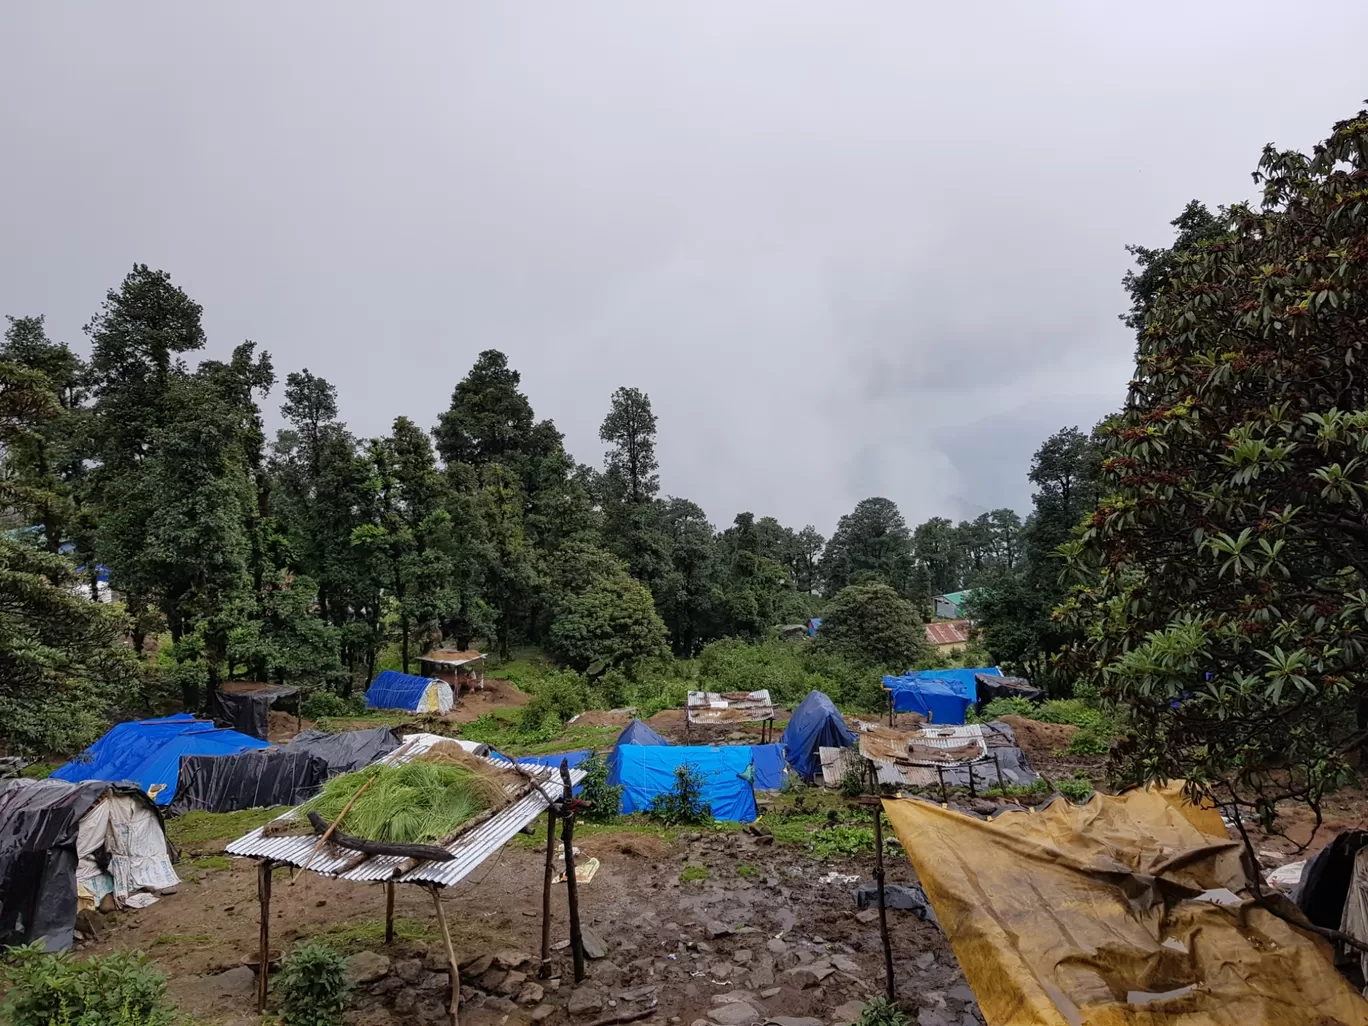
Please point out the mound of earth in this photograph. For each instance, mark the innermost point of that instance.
(603, 718)
(1039, 739)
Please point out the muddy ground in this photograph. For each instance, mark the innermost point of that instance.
(765, 920)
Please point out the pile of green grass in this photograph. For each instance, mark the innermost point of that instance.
(416, 802)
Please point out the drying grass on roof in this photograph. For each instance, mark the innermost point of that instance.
(424, 800)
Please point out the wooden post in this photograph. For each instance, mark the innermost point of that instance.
(546, 891)
(972, 792)
(883, 911)
(940, 775)
(389, 912)
(571, 885)
(998, 765)
(454, 1008)
(264, 868)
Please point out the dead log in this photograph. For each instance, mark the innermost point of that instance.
(424, 852)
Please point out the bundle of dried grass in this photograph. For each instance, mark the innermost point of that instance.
(426, 799)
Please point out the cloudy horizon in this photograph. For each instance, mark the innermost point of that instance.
(847, 250)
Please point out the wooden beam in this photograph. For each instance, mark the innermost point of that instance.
(547, 874)
(883, 910)
(454, 1008)
(264, 868)
(571, 885)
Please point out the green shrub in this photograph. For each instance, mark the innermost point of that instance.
(849, 841)
(328, 703)
(1000, 707)
(683, 805)
(119, 989)
(1075, 790)
(555, 696)
(1089, 741)
(853, 779)
(882, 1012)
(604, 799)
(314, 986)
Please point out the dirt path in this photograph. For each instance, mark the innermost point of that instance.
(658, 930)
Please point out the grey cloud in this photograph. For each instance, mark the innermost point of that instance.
(847, 250)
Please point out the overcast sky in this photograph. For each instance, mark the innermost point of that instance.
(848, 249)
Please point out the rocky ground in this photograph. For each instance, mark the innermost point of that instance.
(757, 931)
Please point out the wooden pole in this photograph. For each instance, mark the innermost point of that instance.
(264, 868)
(883, 911)
(571, 885)
(940, 775)
(998, 765)
(389, 912)
(454, 1008)
(972, 792)
(546, 891)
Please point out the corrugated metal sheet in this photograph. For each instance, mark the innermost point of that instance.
(470, 849)
(948, 632)
(729, 707)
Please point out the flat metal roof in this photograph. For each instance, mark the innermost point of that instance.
(729, 706)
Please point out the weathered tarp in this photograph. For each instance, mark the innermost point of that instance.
(815, 724)
(394, 690)
(939, 700)
(1112, 914)
(51, 833)
(347, 751)
(649, 770)
(992, 685)
(769, 766)
(252, 780)
(638, 732)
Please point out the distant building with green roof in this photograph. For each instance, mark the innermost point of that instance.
(950, 605)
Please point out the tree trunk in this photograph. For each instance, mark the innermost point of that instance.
(404, 640)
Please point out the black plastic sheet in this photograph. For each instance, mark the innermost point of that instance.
(252, 780)
(1324, 886)
(908, 897)
(348, 751)
(246, 710)
(39, 821)
(991, 686)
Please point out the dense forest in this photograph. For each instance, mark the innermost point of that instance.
(1196, 560)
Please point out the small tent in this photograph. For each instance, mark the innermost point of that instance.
(249, 780)
(726, 771)
(65, 846)
(148, 753)
(394, 690)
(635, 733)
(815, 724)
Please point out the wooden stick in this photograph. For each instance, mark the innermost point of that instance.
(455, 1007)
(571, 885)
(422, 852)
(264, 868)
(328, 833)
(612, 1020)
(883, 912)
(389, 912)
(546, 892)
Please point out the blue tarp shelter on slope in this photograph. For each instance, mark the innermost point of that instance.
(939, 700)
(148, 753)
(649, 770)
(635, 733)
(814, 724)
(394, 690)
(768, 761)
(813, 625)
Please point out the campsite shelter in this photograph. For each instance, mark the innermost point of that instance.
(65, 846)
(394, 690)
(942, 696)
(635, 733)
(148, 753)
(814, 725)
(726, 772)
(246, 705)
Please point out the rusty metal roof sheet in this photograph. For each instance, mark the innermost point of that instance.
(470, 849)
(729, 706)
(948, 632)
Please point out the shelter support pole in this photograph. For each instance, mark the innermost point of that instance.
(571, 885)
(546, 891)
(389, 912)
(972, 792)
(998, 766)
(883, 910)
(454, 1008)
(264, 868)
(940, 775)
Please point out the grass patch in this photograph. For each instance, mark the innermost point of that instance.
(368, 932)
(746, 871)
(208, 862)
(689, 874)
(375, 718)
(202, 827)
(572, 738)
(38, 770)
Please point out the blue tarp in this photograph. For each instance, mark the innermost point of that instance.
(813, 625)
(394, 690)
(649, 770)
(769, 766)
(814, 724)
(940, 700)
(635, 733)
(148, 753)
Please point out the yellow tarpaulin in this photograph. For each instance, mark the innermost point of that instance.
(1120, 912)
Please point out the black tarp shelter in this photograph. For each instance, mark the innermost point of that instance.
(245, 706)
(252, 780)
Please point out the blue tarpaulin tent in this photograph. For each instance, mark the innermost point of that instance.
(649, 770)
(814, 724)
(148, 753)
(939, 700)
(769, 766)
(814, 625)
(635, 733)
(394, 690)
